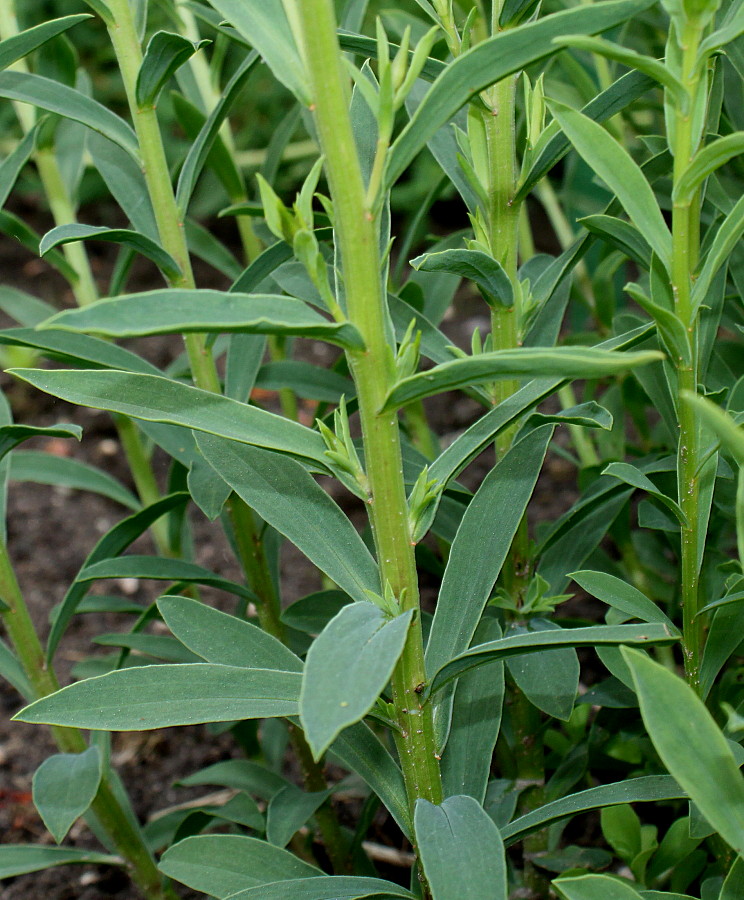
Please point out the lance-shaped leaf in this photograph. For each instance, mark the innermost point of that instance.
(263, 23)
(634, 477)
(11, 669)
(140, 243)
(288, 498)
(165, 54)
(704, 163)
(589, 887)
(19, 45)
(62, 471)
(11, 166)
(621, 596)
(603, 107)
(622, 235)
(339, 887)
(13, 435)
(146, 697)
(288, 810)
(691, 746)
(20, 859)
(646, 64)
(593, 636)
(64, 786)
(725, 240)
(172, 311)
(157, 399)
(220, 865)
(646, 789)
(475, 265)
(347, 667)
(478, 552)
(461, 850)
(77, 349)
(55, 97)
(112, 543)
(613, 164)
(491, 61)
(220, 638)
(161, 569)
(524, 362)
(203, 143)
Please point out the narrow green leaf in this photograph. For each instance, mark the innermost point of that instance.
(13, 435)
(165, 54)
(476, 720)
(288, 498)
(11, 166)
(550, 681)
(475, 265)
(220, 865)
(288, 810)
(720, 423)
(174, 310)
(64, 786)
(20, 859)
(19, 45)
(326, 887)
(146, 697)
(14, 227)
(646, 64)
(622, 596)
(24, 308)
(55, 97)
(126, 181)
(603, 107)
(523, 362)
(161, 569)
(140, 243)
(158, 399)
(724, 242)
(493, 60)
(62, 471)
(103, 11)
(691, 746)
(11, 669)
(621, 174)
(633, 476)
(674, 335)
(622, 235)
(202, 145)
(590, 887)
(733, 886)
(461, 850)
(220, 638)
(347, 668)
(77, 350)
(112, 543)
(158, 646)
(648, 789)
(312, 613)
(704, 163)
(593, 636)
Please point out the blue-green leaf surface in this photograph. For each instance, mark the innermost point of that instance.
(64, 786)
(347, 667)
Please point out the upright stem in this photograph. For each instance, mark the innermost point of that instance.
(685, 248)
(106, 808)
(357, 237)
(157, 176)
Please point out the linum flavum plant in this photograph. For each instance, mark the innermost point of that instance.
(471, 726)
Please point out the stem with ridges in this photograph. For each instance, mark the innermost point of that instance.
(105, 807)
(357, 236)
(685, 232)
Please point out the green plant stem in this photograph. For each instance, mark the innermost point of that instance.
(356, 234)
(157, 176)
(113, 818)
(685, 237)
(253, 559)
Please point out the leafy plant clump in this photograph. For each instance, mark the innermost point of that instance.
(562, 717)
